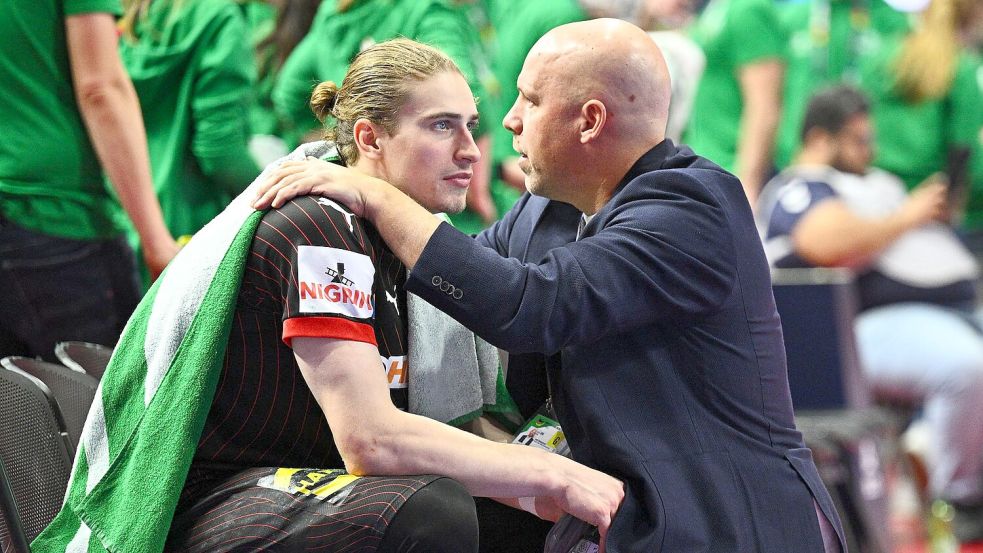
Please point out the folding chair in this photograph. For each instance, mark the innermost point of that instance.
(34, 449)
(84, 356)
(12, 538)
(73, 391)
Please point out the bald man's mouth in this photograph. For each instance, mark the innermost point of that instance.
(523, 162)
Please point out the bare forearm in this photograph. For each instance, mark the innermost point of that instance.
(112, 117)
(847, 240)
(375, 438)
(111, 112)
(479, 193)
(754, 149)
(761, 92)
(417, 445)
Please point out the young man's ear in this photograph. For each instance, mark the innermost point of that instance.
(367, 134)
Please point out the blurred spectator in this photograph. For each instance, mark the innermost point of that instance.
(278, 28)
(343, 28)
(828, 39)
(193, 70)
(738, 102)
(65, 269)
(926, 104)
(970, 29)
(926, 100)
(664, 19)
(479, 34)
(917, 334)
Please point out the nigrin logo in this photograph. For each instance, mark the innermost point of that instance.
(335, 293)
(332, 280)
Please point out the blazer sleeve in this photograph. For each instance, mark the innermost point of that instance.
(664, 254)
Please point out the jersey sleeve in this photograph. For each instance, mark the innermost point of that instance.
(797, 198)
(324, 265)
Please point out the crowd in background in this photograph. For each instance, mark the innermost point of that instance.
(224, 84)
(216, 78)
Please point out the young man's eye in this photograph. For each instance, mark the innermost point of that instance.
(473, 127)
(442, 125)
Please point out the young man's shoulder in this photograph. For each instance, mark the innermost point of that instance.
(317, 221)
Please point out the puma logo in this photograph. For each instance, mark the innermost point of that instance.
(348, 216)
(392, 299)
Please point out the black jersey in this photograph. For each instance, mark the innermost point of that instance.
(314, 270)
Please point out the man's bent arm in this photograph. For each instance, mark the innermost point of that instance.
(375, 438)
(831, 235)
(665, 256)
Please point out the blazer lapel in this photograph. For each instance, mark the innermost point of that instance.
(534, 214)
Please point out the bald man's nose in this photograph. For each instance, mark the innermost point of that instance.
(512, 122)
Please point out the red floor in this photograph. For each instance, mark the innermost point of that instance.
(975, 548)
(908, 527)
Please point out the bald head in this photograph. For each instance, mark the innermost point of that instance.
(593, 98)
(615, 62)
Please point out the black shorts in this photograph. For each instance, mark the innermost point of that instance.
(271, 509)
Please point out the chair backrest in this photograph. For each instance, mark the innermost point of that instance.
(831, 396)
(73, 391)
(34, 448)
(818, 307)
(12, 538)
(84, 356)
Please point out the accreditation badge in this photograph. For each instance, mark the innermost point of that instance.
(544, 432)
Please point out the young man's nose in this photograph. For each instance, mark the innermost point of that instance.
(469, 149)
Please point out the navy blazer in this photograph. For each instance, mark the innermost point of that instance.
(665, 353)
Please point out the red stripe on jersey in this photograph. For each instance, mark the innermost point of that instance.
(291, 221)
(327, 327)
(335, 227)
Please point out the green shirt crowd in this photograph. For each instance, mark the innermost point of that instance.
(193, 64)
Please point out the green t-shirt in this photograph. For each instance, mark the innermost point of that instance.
(194, 72)
(516, 32)
(50, 178)
(261, 19)
(733, 34)
(913, 139)
(974, 207)
(335, 38)
(829, 42)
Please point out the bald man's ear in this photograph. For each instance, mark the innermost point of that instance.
(593, 117)
(367, 134)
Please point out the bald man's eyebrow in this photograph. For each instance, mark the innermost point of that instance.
(528, 94)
